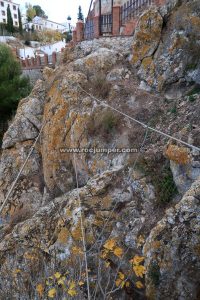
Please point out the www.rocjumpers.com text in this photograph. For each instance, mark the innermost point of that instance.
(100, 150)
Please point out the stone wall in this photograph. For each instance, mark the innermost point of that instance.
(33, 74)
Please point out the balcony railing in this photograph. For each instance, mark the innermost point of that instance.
(89, 29)
(106, 23)
(132, 8)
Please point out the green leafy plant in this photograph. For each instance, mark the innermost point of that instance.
(174, 110)
(161, 176)
(10, 26)
(104, 124)
(195, 90)
(13, 86)
(191, 98)
(154, 273)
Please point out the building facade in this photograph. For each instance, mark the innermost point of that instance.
(40, 24)
(14, 11)
(112, 18)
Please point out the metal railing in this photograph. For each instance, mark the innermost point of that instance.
(106, 23)
(89, 29)
(132, 8)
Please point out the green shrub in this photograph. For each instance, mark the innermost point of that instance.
(191, 98)
(13, 86)
(103, 124)
(174, 110)
(109, 122)
(161, 177)
(99, 86)
(154, 273)
(195, 90)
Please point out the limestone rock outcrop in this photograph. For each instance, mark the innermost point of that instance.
(135, 192)
(172, 57)
(173, 248)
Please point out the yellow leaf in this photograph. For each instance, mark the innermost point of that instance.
(110, 244)
(104, 254)
(40, 289)
(139, 285)
(72, 285)
(48, 283)
(107, 263)
(72, 292)
(17, 271)
(118, 251)
(118, 282)
(57, 275)
(137, 260)
(60, 281)
(139, 271)
(77, 250)
(140, 241)
(81, 283)
(127, 283)
(66, 273)
(51, 293)
(121, 275)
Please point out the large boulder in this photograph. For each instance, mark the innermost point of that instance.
(172, 251)
(166, 48)
(147, 35)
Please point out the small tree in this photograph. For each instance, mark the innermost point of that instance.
(39, 11)
(30, 12)
(10, 26)
(13, 86)
(20, 22)
(80, 14)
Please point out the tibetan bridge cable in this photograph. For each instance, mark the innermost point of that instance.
(139, 122)
(21, 170)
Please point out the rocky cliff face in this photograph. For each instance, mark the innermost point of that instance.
(171, 62)
(140, 210)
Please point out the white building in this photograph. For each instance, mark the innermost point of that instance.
(14, 11)
(40, 24)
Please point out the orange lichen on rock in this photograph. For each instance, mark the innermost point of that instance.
(179, 155)
(147, 35)
(63, 235)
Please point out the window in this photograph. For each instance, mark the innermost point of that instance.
(57, 26)
(14, 7)
(16, 23)
(15, 16)
(40, 27)
(51, 25)
(3, 13)
(2, 4)
(4, 20)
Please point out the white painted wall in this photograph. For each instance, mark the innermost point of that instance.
(106, 5)
(48, 49)
(5, 39)
(44, 24)
(14, 11)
